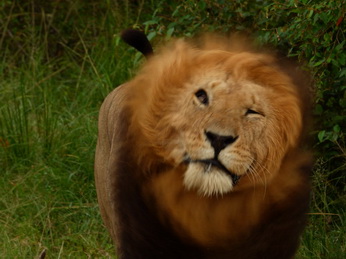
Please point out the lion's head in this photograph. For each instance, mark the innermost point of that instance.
(225, 114)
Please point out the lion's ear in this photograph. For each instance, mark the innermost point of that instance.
(138, 40)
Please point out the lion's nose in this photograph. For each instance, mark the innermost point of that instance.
(219, 142)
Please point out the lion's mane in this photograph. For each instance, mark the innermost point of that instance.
(201, 154)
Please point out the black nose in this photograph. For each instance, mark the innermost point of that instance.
(219, 142)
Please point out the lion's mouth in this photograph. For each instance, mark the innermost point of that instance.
(214, 162)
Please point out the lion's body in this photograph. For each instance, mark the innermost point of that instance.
(174, 142)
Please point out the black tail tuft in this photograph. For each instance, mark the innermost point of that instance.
(138, 40)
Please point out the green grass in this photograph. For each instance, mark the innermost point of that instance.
(47, 194)
(51, 87)
(325, 235)
(48, 128)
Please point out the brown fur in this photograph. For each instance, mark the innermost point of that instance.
(149, 126)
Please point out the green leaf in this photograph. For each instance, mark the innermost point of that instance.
(318, 109)
(169, 33)
(310, 13)
(336, 128)
(340, 46)
(151, 22)
(321, 135)
(342, 59)
(318, 63)
(151, 35)
(342, 73)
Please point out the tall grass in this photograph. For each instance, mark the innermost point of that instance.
(56, 67)
(48, 132)
(48, 126)
(325, 235)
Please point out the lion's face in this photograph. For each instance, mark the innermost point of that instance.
(228, 121)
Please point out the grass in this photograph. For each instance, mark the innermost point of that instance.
(325, 235)
(47, 194)
(48, 126)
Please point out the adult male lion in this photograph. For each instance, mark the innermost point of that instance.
(199, 156)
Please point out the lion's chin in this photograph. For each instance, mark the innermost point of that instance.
(208, 180)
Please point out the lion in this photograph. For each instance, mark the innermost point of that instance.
(202, 154)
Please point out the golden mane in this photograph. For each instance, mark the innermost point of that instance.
(164, 75)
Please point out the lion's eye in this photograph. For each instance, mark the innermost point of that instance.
(250, 111)
(202, 96)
